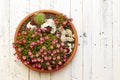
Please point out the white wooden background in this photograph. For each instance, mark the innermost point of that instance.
(98, 27)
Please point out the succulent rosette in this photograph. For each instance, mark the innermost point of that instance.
(45, 42)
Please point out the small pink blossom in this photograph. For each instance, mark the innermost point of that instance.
(60, 63)
(53, 62)
(46, 37)
(38, 59)
(49, 68)
(65, 22)
(54, 58)
(62, 44)
(60, 28)
(58, 45)
(24, 57)
(19, 33)
(47, 63)
(58, 57)
(33, 35)
(19, 49)
(43, 47)
(25, 32)
(29, 53)
(14, 46)
(57, 35)
(39, 66)
(41, 50)
(51, 47)
(45, 53)
(46, 58)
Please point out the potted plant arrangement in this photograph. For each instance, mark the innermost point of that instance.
(45, 41)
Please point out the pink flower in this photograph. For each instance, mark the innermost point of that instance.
(41, 39)
(66, 50)
(28, 62)
(38, 41)
(64, 60)
(41, 42)
(14, 46)
(65, 56)
(49, 68)
(33, 35)
(42, 60)
(53, 62)
(45, 53)
(35, 28)
(19, 33)
(46, 37)
(52, 54)
(29, 53)
(57, 35)
(65, 16)
(57, 50)
(47, 63)
(51, 47)
(34, 65)
(58, 57)
(42, 55)
(50, 57)
(60, 63)
(54, 58)
(31, 56)
(25, 32)
(53, 42)
(41, 50)
(56, 22)
(24, 57)
(40, 34)
(39, 66)
(43, 47)
(38, 59)
(61, 49)
(54, 51)
(46, 58)
(58, 45)
(62, 44)
(39, 29)
(60, 28)
(37, 55)
(19, 49)
(49, 51)
(65, 22)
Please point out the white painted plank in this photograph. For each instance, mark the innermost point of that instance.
(63, 7)
(34, 5)
(116, 40)
(87, 39)
(18, 10)
(77, 15)
(101, 36)
(4, 40)
(97, 56)
(106, 38)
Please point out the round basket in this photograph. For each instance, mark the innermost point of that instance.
(73, 50)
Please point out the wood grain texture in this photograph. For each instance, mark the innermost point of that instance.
(116, 40)
(98, 27)
(17, 12)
